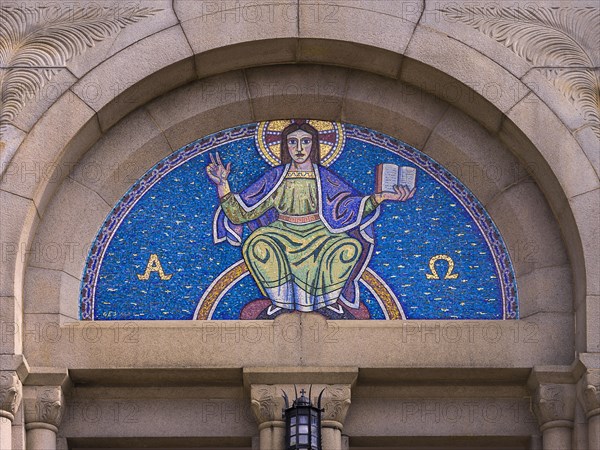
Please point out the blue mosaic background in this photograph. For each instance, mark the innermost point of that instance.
(173, 219)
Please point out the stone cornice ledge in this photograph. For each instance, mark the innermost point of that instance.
(16, 363)
(48, 376)
(555, 374)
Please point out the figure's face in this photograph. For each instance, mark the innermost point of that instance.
(299, 145)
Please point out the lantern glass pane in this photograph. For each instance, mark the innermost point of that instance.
(303, 429)
(302, 439)
(314, 419)
(303, 419)
(293, 420)
(293, 440)
(313, 440)
(293, 430)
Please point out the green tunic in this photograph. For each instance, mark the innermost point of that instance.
(297, 266)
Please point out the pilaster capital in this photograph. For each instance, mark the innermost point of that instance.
(554, 404)
(268, 403)
(44, 406)
(336, 401)
(11, 392)
(590, 392)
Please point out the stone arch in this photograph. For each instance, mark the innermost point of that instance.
(151, 132)
(565, 175)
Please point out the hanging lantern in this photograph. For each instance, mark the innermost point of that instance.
(302, 422)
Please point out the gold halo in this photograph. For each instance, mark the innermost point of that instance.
(331, 139)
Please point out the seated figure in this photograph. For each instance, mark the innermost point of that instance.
(312, 233)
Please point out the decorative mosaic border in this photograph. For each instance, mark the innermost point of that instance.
(465, 197)
(442, 175)
(133, 195)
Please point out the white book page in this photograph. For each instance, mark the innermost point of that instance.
(389, 177)
(407, 177)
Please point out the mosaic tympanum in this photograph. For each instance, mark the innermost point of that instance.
(298, 215)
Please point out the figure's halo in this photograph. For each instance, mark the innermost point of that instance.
(268, 139)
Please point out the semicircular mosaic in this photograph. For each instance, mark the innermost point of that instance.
(303, 215)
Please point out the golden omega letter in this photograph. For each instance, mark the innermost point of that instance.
(434, 275)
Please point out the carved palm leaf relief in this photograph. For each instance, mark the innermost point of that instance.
(563, 42)
(35, 43)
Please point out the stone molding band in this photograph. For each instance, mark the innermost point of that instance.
(592, 413)
(7, 415)
(40, 425)
(556, 424)
(332, 424)
(271, 424)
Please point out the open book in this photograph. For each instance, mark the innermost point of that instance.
(389, 175)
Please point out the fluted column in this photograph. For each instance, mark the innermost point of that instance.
(43, 411)
(590, 394)
(554, 406)
(267, 406)
(11, 391)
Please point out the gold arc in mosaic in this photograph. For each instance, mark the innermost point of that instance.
(240, 269)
